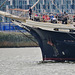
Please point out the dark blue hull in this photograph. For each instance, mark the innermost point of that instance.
(55, 45)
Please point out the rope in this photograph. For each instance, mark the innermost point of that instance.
(71, 35)
(3, 3)
(25, 35)
(56, 6)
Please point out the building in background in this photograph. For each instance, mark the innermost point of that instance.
(44, 6)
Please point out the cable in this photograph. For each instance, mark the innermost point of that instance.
(3, 3)
(71, 35)
(25, 35)
(56, 6)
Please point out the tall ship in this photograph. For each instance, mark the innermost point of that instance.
(56, 40)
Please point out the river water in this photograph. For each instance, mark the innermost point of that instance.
(27, 61)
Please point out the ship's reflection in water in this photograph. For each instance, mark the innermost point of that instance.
(27, 61)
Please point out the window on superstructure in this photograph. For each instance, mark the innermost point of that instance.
(20, 4)
(13, 3)
(30, 1)
(25, 2)
(45, 1)
(44, 6)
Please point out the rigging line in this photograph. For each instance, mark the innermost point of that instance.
(71, 35)
(25, 35)
(56, 6)
(3, 3)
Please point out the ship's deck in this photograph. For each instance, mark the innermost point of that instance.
(36, 24)
(47, 25)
